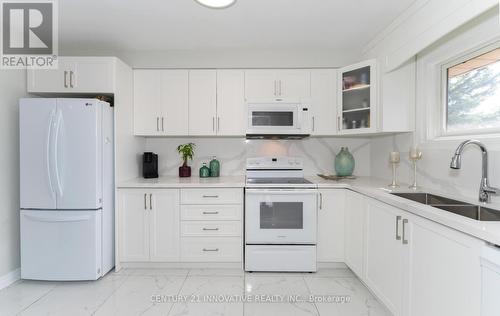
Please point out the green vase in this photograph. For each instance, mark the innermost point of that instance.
(204, 171)
(214, 167)
(344, 163)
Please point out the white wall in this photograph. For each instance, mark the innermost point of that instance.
(421, 25)
(230, 58)
(434, 171)
(318, 153)
(13, 86)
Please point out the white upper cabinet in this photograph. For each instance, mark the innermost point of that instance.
(75, 75)
(357, 106)
(231, 107)
(283, 83)
(260, 83)
(147, 96)
(294, 83)
(202, 102)
(160, 102)
(174, 102)
(323, 105)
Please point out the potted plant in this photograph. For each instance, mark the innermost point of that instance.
(187, 152)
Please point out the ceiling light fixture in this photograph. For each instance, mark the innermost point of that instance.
(216, 4)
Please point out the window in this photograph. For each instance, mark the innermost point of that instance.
(472, 102)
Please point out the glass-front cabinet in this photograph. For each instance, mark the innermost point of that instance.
(357, 100)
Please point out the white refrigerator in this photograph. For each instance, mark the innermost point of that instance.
(66, 188)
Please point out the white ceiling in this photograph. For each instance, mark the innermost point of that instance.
(140, 25)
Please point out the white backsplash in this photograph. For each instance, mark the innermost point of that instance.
(318, 153)
(434, 170)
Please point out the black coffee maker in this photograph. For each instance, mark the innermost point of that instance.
(150, 165)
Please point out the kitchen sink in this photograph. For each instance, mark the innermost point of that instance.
(473, 211)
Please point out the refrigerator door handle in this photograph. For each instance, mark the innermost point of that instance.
(55, 155)
(47, 150)
(59, 219)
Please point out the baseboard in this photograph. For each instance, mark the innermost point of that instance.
(182, 265)
(10, 278)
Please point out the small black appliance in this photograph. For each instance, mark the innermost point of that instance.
(150, 165)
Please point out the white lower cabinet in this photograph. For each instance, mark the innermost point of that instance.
(418, 267)
(331, 225)
(442, 269)
(171, 225)
(355, 213)
(384, 254)
(148, 225)
(211, 225)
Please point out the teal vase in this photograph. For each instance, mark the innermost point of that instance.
(204, 171)
(214, 167)
(344, 163)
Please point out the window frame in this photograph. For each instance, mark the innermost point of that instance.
(443, 102)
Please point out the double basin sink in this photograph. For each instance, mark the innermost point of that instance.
(475, 212)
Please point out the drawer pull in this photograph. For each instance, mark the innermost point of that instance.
(210, 229)
(210, 213)
(210, 250)
(211, 196)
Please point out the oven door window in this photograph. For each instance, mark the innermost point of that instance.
(272, 118)
(281, 215)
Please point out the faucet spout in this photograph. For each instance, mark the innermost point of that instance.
(456, 163)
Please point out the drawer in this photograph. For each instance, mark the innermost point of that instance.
(211, 249)
(212, 196)
(211, 228)
(211, 212)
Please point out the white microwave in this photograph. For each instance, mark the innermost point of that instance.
(279, 118)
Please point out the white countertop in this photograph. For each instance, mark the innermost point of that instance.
(379, 190)
(371, 187)
(191, 182)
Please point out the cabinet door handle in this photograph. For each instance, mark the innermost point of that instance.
(150, 201)
(338, 123)
(65, 79)
(207, 249)
(210, 229)
(162, 120)
(157, 124)
(213, 123)
(320, 201)
(398, 219)
(405, 241)
(218, 123)
(145, 201)
(71, 79)
(211, 196)
(210, 213)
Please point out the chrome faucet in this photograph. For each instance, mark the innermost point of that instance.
(456, 163)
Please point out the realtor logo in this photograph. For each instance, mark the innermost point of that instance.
(29, 37)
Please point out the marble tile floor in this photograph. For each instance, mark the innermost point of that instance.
(332, 292)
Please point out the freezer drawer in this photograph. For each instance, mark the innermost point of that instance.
(61, 245)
